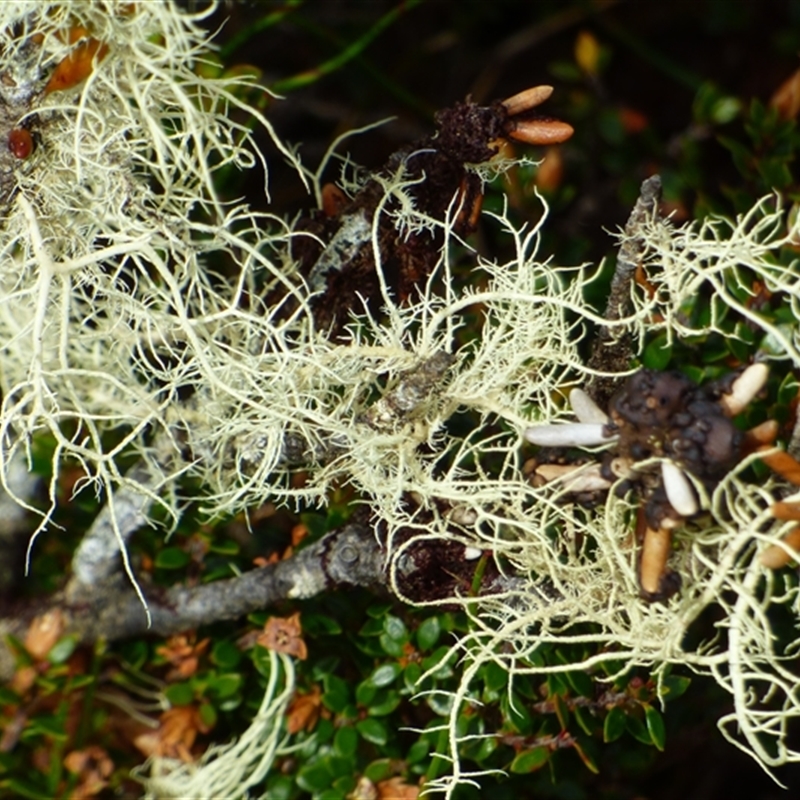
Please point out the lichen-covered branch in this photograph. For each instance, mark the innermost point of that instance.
(613, 347)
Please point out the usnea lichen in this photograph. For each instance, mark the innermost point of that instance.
(133, 323)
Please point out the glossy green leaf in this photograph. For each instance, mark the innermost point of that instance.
(365, 693)
(62, 649)
(224, 547)
(411, 675)
(530, 760)
(657, 353)
(372, 627)
(331, 794)
(385, 705)
(379, 770)
(26, 788)
(394, 636)
(655, 726)
(614, 724)
(378, 610)
(582, 749)
(581, 683)
(417, 752)
(345, 742)
(495, 677)
(179, 694)
(280, 787)
(315, 777)
(373, 730)
(637, 729)
(586, 720)
(208, 715)
(45, 725)
(674, 686)
(428, 633)
(226, 655)
(337, 695)
(223, 686)
(384, 674)
(320, 625)
(172, 558)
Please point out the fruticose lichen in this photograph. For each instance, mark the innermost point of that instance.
(134, 322)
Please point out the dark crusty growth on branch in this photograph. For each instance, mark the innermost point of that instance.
(338, 259)
(665, 415)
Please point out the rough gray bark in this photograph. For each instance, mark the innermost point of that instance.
(111, 610)
(612, 351)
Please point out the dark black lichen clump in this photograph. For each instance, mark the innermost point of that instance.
(666, 415)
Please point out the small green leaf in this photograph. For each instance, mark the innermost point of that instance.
(226, 655)
(225, 547)
(411, 675)
(637, 729)
(379, 770)
(337, 694)
(62, 649)
(223, 686)
(418, 751)
(365, 693)
(530, 760)
(45, 725)
(314, 777)
(674, 686)
(385, 674)
(372, 627)
(373, 730)
(378, 610)
(516, 712)
(24, 788)
(331, 794)
(614, 724)
(495, 677)
(320, 625)
(581, 683)
(280, 787)
(386, 705)
(655, 726)
(208, 715)
(428, 633)
(179, 694)
(345, 742)
(657, 353)
(587, 722)
(587, 759)
(172, 558)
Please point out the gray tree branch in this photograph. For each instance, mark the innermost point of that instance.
(613, 351)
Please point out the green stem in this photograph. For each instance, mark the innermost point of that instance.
(228, 49)
(349, 52)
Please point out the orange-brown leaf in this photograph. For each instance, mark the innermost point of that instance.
(77, 66)
(786, 98)
(304, 710)
(785, 465)
(551, 171)
(176, 734)
(44, 632)
(397, 789)
(284, 635)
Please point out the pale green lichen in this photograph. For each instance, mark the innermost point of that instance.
(109, 316)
